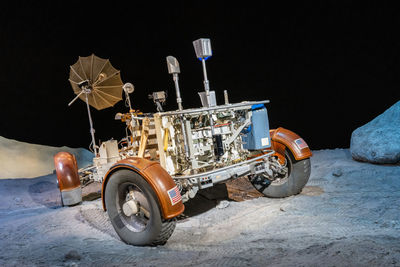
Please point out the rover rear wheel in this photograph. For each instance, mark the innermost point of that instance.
(286, 185)
(134, 211)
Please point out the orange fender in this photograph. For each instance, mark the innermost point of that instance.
(68, 178)
(156, 176)
(282, 138)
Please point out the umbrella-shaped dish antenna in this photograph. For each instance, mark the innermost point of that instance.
(98, 83)
(104, 84)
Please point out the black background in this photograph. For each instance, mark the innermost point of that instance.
(326, 68)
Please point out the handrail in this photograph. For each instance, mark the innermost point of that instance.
(227, 106)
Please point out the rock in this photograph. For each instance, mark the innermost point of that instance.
(378, 141)
(71, 264)
(222, 204)
(337, 172)
(72, 255)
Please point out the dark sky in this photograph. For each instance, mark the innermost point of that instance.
(326, 68)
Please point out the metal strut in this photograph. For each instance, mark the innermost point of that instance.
(91, 125)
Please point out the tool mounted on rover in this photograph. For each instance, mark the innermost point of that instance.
(168, 156)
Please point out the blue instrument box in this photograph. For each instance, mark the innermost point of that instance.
(256, 136)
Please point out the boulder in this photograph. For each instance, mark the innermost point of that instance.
(378, 141)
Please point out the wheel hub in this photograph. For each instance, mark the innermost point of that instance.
(130, 208)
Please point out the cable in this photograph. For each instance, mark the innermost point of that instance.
(90, 147)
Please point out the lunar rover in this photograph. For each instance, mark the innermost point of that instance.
(168, 156)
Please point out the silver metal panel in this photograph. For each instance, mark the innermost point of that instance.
(202, 48)
(173, 65)
(193, 162)
(204, 101)
(72, 197)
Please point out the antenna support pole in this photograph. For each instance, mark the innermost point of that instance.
(178, 93)
(91, 125)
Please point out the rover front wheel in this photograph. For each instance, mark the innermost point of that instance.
(134, 211)
(296, 177)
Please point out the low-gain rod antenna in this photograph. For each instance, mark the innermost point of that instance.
(173, 68)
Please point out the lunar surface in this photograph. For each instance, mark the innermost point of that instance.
(347, 215)
(24, 160)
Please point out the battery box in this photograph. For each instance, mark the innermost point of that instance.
(256, 136)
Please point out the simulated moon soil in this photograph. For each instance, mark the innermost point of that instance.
(347, 215)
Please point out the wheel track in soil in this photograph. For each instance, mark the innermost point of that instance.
(318, 182)
(226, 261)
(226, 253)
(98, 219)
(223, 255)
